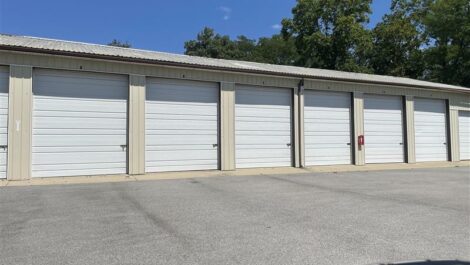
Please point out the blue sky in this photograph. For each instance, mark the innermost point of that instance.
(162, 25)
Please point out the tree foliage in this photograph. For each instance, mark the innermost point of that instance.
(448, 25)
(118, 43)
(398, 40)
(331, 34)
(274, 50)
(423, 39)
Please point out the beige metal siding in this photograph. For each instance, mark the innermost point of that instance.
(136, 131)
(358, 110)
(461, 100)
(454, 135)
(301, 107)
(458, 101)
(227, 126)
(296, 129)
(19, 122)
(4, 80)
(410, 129)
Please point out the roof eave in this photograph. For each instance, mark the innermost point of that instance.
(208, 67)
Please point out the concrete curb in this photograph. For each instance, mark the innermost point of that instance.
(240, 172)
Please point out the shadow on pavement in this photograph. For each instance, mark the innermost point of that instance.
(430, 262)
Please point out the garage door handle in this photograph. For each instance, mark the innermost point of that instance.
(123, 147)
(348, 144)
(215, 145)
(444, 143)
(289, 144)
(401, 143)
(4, 147)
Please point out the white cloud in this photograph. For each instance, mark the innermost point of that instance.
(227, 11)
(276, 26)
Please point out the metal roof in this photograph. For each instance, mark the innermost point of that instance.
(51, 46)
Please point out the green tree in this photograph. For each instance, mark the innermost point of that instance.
(448, 25)
(118, 43)
(213, 45)
(399, 40)
(275, 50)
(331, 34)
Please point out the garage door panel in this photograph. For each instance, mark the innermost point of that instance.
(247, 126)
(429, 139)
(430, 130)
(181, 166)
(71, 140)
(263, 127)
(388, 140)
(430, 107)
(383, 129)
(170, 91)
(66, 171)
(103, 123)
(312, 116)
(328, 101)
(84, 158)
(272, 98)
(336, 158)
(181, 117)
(77, 167)
(4, 81)
(266, 139)
(188, 124)
(263, 162)
(464, 134)
(79, 118)
(48, 103)
(274, 152)
(337, 141)
(78, 149)
(327, 126)
(158, 109)
(263, 113)
(82, 85)
(181, 125)
(182, 154)
(333, 151)
(181, 158)
(175, 141)
(79, 132)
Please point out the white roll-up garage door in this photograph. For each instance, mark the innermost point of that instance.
(4, 80)
(181, 125)
(383, 129)
(464, 134)
(79, 123)
(263, 127)
(327, 128)
(430, 130)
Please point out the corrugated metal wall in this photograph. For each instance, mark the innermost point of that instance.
(20, 99)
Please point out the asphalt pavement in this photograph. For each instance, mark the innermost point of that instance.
(317, 218)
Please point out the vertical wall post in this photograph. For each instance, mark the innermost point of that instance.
(358, 114)
(227, 126)
(20, 104)
(301, 127)
(454, 134)
(296, 125)
(410, 129)
(136, 128)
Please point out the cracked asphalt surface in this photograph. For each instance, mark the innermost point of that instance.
(318, 218)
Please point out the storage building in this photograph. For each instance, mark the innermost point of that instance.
(70, 109)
